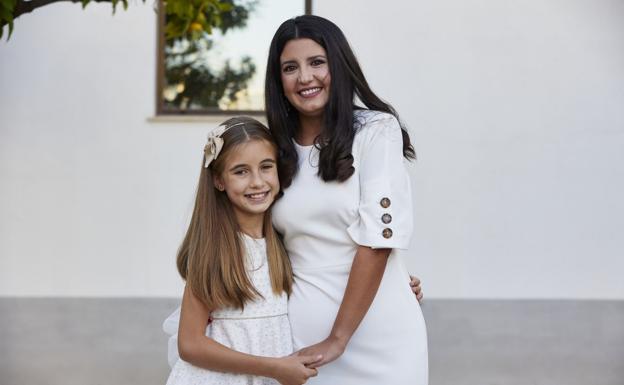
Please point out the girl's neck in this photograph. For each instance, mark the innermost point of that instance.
(309, 128)
(252, 226)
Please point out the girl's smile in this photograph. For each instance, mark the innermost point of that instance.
(257, 198)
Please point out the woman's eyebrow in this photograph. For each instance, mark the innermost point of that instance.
(292, 61)
(288, 62)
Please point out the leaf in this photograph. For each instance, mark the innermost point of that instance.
(175, 28)
(6, 19)
(211, 6)
(8, 4)
(84, 3)
(226, 7)
(125, 5)
(217, 21)
(6, 15)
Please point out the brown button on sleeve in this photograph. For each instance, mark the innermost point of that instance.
(387, 233)
(385, 203)
(386, 218)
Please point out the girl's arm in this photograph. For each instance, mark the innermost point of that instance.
(364, 280)
(416, 289)
(198, 349)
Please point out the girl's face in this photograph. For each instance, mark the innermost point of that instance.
(305, 76)
(250, 179)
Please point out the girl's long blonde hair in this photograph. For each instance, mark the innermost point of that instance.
(211, 257)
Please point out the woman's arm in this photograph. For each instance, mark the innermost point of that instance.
(198, 349)
(384, 223)
(364, 280)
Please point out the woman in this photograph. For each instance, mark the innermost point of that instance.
(346, 207)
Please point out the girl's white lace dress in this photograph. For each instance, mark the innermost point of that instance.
(261, 329)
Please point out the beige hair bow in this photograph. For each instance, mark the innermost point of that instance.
(215, 143)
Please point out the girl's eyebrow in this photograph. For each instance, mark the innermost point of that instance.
(238, 166)
(246, 165)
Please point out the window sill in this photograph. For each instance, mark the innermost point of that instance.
(213, 119)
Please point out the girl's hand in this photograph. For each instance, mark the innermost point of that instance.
(330, 349)
(415, 285)
(294, 369)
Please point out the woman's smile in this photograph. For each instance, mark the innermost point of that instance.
(310, 92)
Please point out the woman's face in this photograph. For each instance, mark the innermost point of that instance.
(305, 76)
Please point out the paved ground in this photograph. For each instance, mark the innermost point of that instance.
(119, 341)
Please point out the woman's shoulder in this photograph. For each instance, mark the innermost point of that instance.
(365, 117)
(371, 123)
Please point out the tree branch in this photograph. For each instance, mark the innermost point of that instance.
(28, 6)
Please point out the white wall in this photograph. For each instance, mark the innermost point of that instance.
(516, 109)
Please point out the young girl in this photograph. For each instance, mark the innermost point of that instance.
(236, 270)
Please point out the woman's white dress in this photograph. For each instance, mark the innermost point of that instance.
(322, 224)
(261, 329)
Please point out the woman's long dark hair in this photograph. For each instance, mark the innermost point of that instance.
(347, 81)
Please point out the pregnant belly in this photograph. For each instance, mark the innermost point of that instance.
(393, 317)
(314, 302)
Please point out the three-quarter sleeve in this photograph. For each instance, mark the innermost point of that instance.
(385, 207)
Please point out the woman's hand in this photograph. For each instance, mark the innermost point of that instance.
(330, 349)
(415, 285)
(294, 369)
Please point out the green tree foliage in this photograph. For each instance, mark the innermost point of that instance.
(7, 8)
(184, 17)
(12, 9)
(190, 83)
(193, 85)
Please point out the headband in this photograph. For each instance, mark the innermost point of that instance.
(215, 143)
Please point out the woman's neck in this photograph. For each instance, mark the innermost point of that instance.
(309, 128)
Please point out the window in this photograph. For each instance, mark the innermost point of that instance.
(221, 72)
